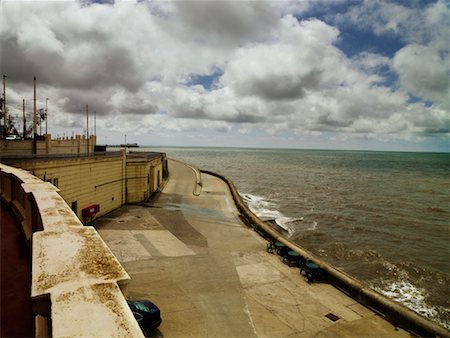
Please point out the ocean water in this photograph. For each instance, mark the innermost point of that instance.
(383, 217)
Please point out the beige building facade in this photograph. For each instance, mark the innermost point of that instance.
(97, 183)
(55, 188)
(45, 145)
(144, 175)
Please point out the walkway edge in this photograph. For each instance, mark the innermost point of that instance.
(391, 310)
(198, 177)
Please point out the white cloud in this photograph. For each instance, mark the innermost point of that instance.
(424, 72)
(132, 61)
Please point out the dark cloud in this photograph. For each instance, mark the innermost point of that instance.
(192, 65)
(327, 120)
(282, 86)
(228, 22)
(243, 117)
(93, 2)
(68, 56)
(75, 101)
(140, 108)
(13, 61)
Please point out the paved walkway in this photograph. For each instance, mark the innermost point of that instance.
(212, 277)
(17, 319)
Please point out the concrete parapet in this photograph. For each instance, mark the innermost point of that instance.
(198, 178)
(45, 145)
(391, 310)
(75, 276)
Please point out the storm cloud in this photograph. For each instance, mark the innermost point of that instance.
(269, 66)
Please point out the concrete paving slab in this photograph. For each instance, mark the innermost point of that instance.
(124, 245)
(166, 243)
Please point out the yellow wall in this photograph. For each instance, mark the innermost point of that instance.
(86, 180)
(73, 145)
(141, 180)
(108, 180)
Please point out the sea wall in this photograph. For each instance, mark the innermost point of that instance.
(392, 311)
(74, 275)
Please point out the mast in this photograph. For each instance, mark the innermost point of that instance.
(34, 119)
(87, 127)
(46, 116)
(5, 119)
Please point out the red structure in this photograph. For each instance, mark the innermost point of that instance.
(89, 212)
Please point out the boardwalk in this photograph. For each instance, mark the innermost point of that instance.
(212, 277)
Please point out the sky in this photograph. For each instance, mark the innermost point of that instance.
(322, 74)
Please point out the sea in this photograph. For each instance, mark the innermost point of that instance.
(382, 217)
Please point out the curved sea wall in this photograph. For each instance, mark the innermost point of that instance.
(392, 311)
(77, 284)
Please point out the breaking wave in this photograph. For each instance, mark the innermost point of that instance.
(412, 297)
(267, 211)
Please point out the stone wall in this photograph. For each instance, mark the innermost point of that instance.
(75, 277)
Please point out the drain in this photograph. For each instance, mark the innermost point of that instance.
(332, 317)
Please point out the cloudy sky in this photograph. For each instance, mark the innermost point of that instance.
(327, 74)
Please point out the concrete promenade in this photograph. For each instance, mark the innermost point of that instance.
(211, 276)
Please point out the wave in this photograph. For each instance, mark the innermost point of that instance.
(267, 211)
(412, 297)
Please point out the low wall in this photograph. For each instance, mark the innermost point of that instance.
(74, 275)
(392, 311)
(46, 145)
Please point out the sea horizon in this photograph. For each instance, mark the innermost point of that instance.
(287, 148)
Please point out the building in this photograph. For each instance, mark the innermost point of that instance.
(54, 188)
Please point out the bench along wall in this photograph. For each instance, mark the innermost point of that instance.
(389, 309)
(74, 274)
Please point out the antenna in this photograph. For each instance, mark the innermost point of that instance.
(87, 127)
(46, 116)
(4, 106)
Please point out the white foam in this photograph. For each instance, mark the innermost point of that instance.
(267, 210)
(409, 295)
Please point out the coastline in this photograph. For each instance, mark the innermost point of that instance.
(391, 310)
(209, 272)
